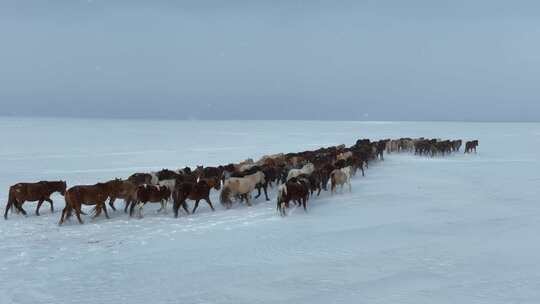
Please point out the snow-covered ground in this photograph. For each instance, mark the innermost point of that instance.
(461, 229)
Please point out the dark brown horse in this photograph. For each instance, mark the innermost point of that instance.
(150, 194)
(294, 190)
(90, 195)
(31, 192)
(470, 146)
(193, 191)
(140, 178)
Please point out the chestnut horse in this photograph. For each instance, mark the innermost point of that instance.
(31, 192)
(193, 191)
(123, 189)
(90, 195)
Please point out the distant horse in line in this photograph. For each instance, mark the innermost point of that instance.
(471, 146)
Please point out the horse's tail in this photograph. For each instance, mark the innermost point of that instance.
(332, 180)
(224, 195)
(282, 191)
(11, 200)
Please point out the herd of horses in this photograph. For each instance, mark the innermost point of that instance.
(297, 176)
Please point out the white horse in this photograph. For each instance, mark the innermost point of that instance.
(341, 177)
(238, 186)
(306, 169)
(171, 185)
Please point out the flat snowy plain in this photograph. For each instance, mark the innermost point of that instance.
(459, 229)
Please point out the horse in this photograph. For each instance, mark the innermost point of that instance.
(380, 147)
(193, 191)
(244, 164)
(77, 196)
(31, 192)
(306, 169)
(152, 194)
(293, 190)
(344, 155)
(143, 178)
(165, 174)
(213, 182)
(313, 181)
(340, 177)
(269, 176)
(470, 146)
(123, 189)
(456, 145)
(240, 186)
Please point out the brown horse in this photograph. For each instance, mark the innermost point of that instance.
(31, 192)
(213, 182)
(150, 194)
(118, 188)
(193, 191)
(90, 195)
(141, 178)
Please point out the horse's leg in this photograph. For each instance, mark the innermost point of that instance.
(105, 210)
(259, 191)
(20, 208)
(132, 207)
(127, 203)
(304, 202)
(248, 197)
(196, 205)
(48, 199)
(350, 188)
(176, 206)
(111, 202)
(207, 199)
(62, 216)
(78, 213)
(39, 206)
(166, 206)
(265, 188)
(141, 206)
(98, 210)
(9, 205)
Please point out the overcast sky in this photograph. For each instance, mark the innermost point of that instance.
(343, 60)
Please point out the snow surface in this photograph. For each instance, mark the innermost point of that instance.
(461, 229)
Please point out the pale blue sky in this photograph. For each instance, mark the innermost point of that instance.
(368, 60)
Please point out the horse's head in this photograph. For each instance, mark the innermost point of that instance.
(62, 186)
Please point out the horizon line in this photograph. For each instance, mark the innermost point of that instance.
(241, 119)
